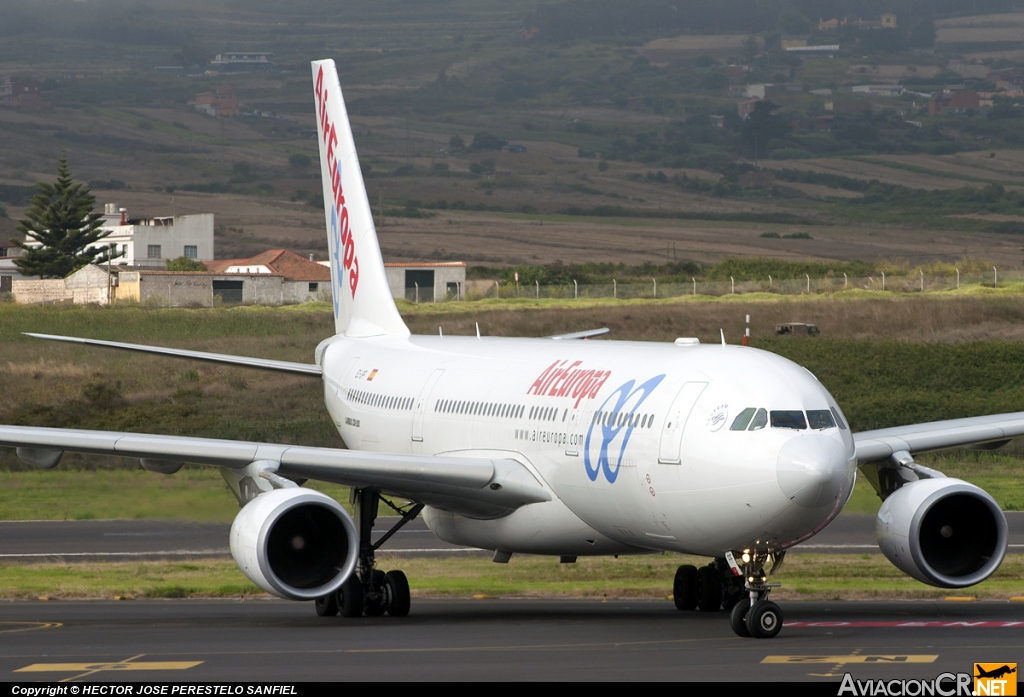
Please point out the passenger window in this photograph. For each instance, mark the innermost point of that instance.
(760, 420)
(820, 419)
(742, 420)
(839, 419)
(789, 419)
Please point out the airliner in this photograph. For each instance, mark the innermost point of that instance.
(555, 446)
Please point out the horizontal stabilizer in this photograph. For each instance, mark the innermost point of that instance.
(586, 334)
(243, 361)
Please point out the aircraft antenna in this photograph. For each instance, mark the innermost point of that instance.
(477, 330)
(722, 332)
(439, 332)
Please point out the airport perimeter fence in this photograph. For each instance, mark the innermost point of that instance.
(805, 286)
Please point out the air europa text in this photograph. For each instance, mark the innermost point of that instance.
(560, 380)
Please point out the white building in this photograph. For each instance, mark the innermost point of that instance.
(152, 241)
(8, 271)
(879, 90)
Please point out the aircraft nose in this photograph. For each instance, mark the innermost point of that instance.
(811, 470)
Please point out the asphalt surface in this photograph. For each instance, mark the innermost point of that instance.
(93, 540)
(269, 640)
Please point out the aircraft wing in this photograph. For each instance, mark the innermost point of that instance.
(473, 486)
(994, 430)
(243, 361)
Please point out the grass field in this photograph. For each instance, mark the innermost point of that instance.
(804, 576)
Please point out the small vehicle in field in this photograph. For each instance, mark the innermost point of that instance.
(797, 329)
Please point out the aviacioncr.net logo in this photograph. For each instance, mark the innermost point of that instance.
(612, 426)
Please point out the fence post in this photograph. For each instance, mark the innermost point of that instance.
(808, 282)
(655, 287)
(575, 290)
(538, 289)
(733, 281)
(922, 279)
(615, 289)
(883, 280)
(417, 292)
(958, 279)
(995, 277)
(694, 284)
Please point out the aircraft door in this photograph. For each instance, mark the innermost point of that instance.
(675, 422)
(421, 404)
(576, 433)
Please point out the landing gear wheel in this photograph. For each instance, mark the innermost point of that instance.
(684, 588)
(764, 620)
(375, 602)
(327, 606)
(709, 589)
(350, 597)
(738, 618)
(396, 590)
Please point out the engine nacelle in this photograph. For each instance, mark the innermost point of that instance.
(943, 532)
(296, 543)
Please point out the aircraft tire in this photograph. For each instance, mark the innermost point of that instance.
(684, 588)
(738, 618)
(350, 597)
(709, 589)
(764, 621)
(327, 606)
(396, 587)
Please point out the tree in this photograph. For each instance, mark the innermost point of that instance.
(62, 221)
(762, 126)
(483, 141)
(185, 264)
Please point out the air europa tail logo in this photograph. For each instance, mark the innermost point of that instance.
(341, 236)
(562, 380)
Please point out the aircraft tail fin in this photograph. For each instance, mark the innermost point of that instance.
(363, 304)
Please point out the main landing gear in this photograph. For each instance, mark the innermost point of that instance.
(369, 591)
(745, 595)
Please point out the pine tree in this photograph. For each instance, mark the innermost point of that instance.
(61, 219)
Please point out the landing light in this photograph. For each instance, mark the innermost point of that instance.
(746, 557)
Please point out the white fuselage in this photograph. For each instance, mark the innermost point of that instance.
(636, 442)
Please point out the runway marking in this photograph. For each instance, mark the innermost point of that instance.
(926, 624)
(86, 669)
(843, 660)
(96, 667)
(11, 627)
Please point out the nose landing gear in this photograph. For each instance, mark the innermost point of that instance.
(369, 591)
(741, 588)
(757, 617)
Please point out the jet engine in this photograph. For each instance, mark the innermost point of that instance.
(943, 532)
(296, 543)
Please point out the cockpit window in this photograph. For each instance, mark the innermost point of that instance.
(760, 420)
(839, 419)
(742, 419)
(789, 419)
(820, 419)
